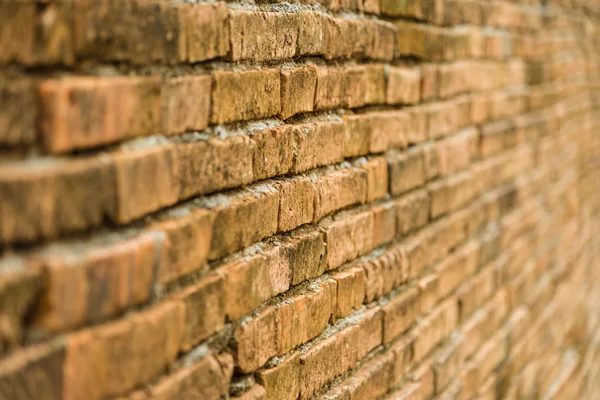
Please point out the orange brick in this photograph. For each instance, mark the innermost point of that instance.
(339, 189)
(206, 166)
(105, 278)
(418, 9)
(340, 87)
(350, 291)
(348, 238)
(259, 98)
(400, 313)
(282, 382)
(312, 33)
(376, 86)
(208, 378)
(112, 359)
(262, 36)
(147, 179)
(256, 340)
(407, 171)
(298, 87)
(317, 144)
(372, 379)
(204, 309)
(34, 371)
(257, 206)
(185, 104)
(307, 253)
(253, 280)
(412, 211)
(273, 152)
(384, 224)
(206, 30)
(403, 86)
(16, 95)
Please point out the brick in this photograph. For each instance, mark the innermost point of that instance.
(348, 29)
(429, 291)
(339, 189)
(407, 171)
(350, 291)
(245, 95)
(257, 206)
(16, 127)
(340, 87)
(403, 350)
(135, 31)
(253, 280)
(262, 36)
(322, 363)
(185, 104)
(418, 131)
(307, 251)
(377, 178)
(105, 278)
(317, 144)
(456, 152)
(431, 11)
(147, 179)
(372, 379)
(215, 164)
(34, 371)
(206, 31)
(204, 310)
(82, 112)
(412, 211)
(384, 224)
(298, 86)
(45, 35)
(112, 359)
(450, 194)
(400, 313)
(435, 327)
(312, 33)
(282, 382)
(256, 341)
(273, 152)
(448, 362)
(429, 81)
(296, 203)
(376, 87)
(20, 286)
(209, 378)
(303, 317)
(348, 238)
(409, 391)
(41, 199)
(403, 85)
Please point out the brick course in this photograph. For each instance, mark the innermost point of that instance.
(332, 199)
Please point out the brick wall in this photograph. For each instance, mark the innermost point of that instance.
(344, 199)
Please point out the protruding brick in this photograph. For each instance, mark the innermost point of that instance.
(348, 238)
(206, 30)
(350, 291)
(298, 87)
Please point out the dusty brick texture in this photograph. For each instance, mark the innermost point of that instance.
(329, 199)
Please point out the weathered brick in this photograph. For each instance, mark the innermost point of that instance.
(112, 359)
(204, 309)
(256, 341)
(215, 164)
(139, 32)
(372, 379)
(82, 112)
(340, 87)
(400, 313)
(348, 238)
(431, 11)
(407, 171)
(36, 371)
(273, 152)
(312, 33)
(296, 203)
(384, 224)
(376, 86)
(185, 104)
(307, 249)
(282, 382)
(245, 95)
(262, 36)
(298, 87)
(20, 285)
(17, 127)
(350, 291)
(252, 280)
(147, 179)
(105, 278)
(317, 144)
(206, 30)
(209, 378)
(339, 189)
(403, 85)
(412, 211)
(256, 206)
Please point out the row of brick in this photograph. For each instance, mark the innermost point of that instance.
(174, 169)
(135, 329)
(82, 112)
(173, 33)
(183, 239)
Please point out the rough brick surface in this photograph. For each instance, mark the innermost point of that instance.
(328, 199)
